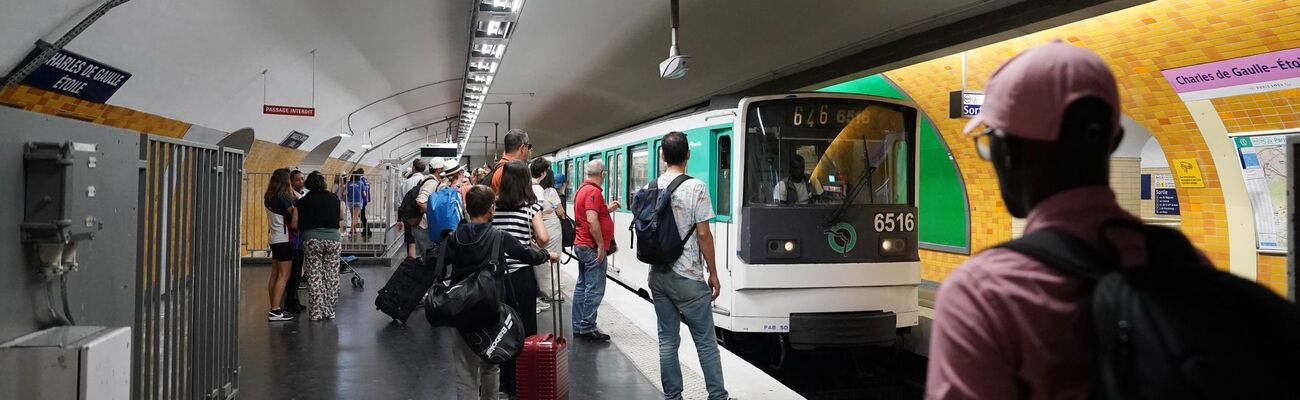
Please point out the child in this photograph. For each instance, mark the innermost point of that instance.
(467, 248)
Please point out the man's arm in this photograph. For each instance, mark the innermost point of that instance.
(531, 255)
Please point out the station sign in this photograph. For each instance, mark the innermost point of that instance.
(1267, 72)
(965, 104)
(294, 139)
(75, 75)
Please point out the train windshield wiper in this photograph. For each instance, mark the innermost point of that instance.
(864, 181)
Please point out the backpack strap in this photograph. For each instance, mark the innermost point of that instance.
(495, 261)
(440, 266)
(1063, 252)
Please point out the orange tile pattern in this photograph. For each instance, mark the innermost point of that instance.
(47, 102)
(1137, 43)
(1260, 111)
(1271, 272)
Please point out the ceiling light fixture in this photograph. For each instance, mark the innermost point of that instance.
(494, 24)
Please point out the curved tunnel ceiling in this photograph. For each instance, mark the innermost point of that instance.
(591, 63)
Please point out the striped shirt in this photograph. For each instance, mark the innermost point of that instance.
(518, 223)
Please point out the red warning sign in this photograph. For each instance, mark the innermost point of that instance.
(289, 110)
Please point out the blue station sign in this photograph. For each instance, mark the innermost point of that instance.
(76, 75)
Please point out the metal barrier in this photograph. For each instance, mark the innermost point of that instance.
(187, 303)
(380, 213)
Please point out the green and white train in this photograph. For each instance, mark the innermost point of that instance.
(826, 260)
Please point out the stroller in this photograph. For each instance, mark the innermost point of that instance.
(345, 267)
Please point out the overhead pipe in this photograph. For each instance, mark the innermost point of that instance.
(49, 50)
(413, 112)
(349, 117)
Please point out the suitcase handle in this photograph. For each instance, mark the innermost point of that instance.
(557, 313)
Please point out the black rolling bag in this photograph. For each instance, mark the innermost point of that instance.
(405, 289)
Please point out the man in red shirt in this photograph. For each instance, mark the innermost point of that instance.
(595, 229)
(517, 147)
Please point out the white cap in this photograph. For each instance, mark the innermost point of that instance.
(435, 163)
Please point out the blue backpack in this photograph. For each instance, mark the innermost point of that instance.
(444, 213)
(655, 228)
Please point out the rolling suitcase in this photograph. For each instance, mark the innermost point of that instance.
(543, 364)
(404, 289)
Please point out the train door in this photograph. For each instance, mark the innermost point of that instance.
(721, 226)
(615, 168)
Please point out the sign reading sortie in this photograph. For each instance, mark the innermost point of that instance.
(1259, 73)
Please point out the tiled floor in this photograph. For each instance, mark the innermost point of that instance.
(362, 354)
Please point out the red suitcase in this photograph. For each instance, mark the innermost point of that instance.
(543, 364)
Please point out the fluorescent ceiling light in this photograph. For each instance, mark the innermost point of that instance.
(367, 146)
(493, 29)
(476, 88)
(345, 134)
(481, 78)
(489, 50)
(483, 66)
(500, 6)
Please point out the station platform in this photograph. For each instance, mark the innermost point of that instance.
(363, 354)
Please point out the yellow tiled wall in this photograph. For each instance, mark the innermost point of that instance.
(1137, 43)
(1271, 272)
(47, 102)
(1126, 181)
(1260, 111)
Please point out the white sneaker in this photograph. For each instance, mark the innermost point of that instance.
(543, 306)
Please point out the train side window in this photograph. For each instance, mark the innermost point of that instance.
(579, 174)
(638, 167)
(663, 166)
(723, 207)
(615, 177)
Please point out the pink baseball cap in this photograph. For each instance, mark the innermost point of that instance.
(1027, 96)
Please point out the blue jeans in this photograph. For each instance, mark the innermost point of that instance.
(680, 299)
(589, 291)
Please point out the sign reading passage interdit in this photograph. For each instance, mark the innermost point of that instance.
(289, 110)
(75, 75)
(1259, 73)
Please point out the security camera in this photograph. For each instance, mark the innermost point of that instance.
(675, 66)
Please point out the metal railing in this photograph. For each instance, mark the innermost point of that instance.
(380, 212)
(187, 304)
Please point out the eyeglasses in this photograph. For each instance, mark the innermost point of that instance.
(528, 146)
(982, 143)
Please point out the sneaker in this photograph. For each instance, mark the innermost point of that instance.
(278, 315)
(542, 306)
(595, 335)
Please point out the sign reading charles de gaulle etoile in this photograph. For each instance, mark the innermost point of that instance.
(75, 75)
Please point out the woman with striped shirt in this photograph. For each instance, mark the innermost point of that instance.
(519, 215)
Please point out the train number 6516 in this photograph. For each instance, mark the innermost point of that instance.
(894, 222)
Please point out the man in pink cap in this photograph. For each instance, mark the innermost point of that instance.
(1007, 326)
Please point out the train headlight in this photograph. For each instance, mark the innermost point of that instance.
(783, 247)
(892, 246)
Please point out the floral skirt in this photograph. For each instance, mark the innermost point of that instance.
(321, 262)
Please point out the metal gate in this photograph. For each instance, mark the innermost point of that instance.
(186, 332)
(380, 213)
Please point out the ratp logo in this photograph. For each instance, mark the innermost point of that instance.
(842, 238)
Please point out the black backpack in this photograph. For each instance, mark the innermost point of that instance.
(409, 210)
(655, 228)
(1175, 329)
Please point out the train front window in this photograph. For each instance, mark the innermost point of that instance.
(828, 151)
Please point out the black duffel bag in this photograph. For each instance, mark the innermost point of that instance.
(499, 341)
(470, 302)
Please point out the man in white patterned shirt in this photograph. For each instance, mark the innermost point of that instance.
(684, 293)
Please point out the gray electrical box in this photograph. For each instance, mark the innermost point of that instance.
(67, 363)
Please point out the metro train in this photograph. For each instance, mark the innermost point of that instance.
(816, 241)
